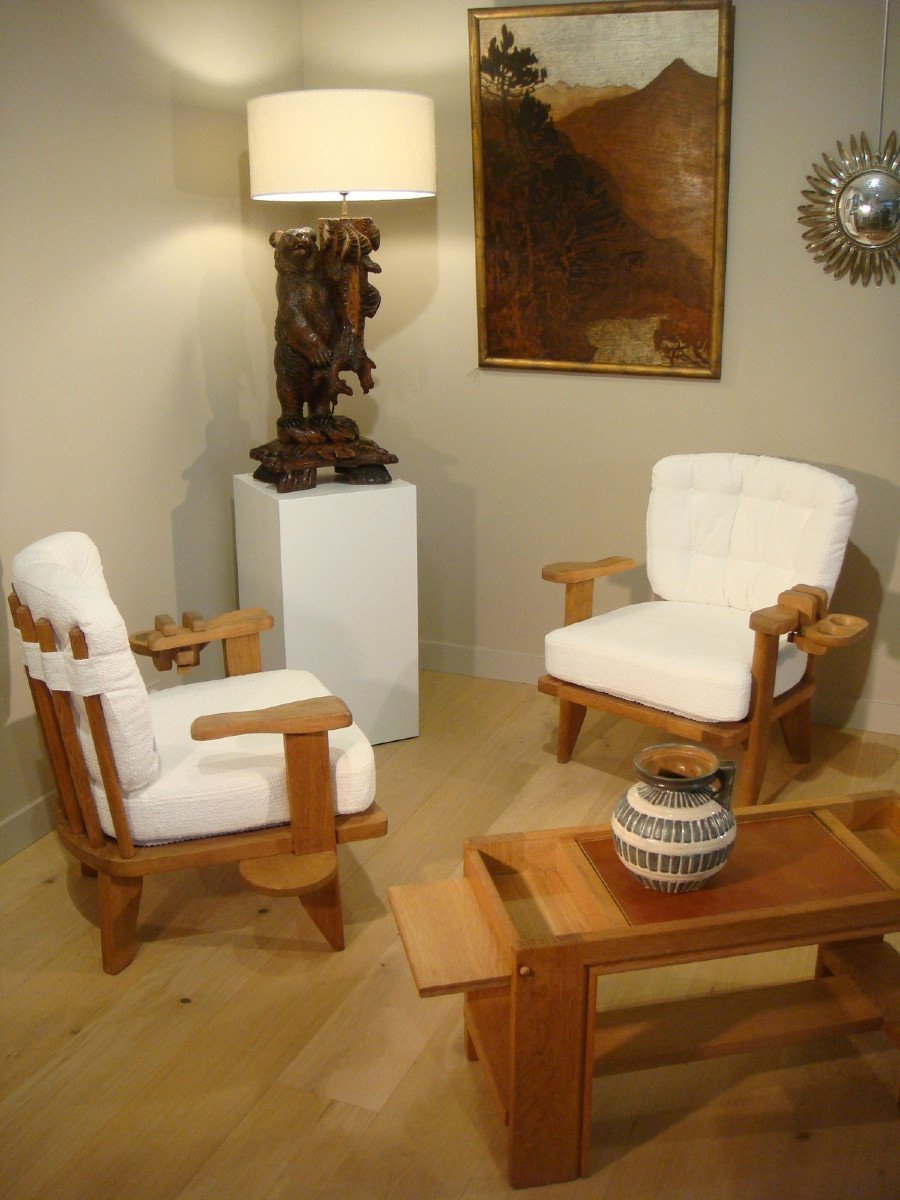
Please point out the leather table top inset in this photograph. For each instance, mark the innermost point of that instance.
(775, 862)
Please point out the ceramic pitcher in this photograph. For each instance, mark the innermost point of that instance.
(673, 829)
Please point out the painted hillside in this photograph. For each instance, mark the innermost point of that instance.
(565, 98)
(664, 131)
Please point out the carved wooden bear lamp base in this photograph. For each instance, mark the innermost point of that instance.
(324, 297)
(301, 143)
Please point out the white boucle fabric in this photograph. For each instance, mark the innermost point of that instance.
(61, 670)
(237, 783)
(689, 659)
(61, 578)
(737, 529)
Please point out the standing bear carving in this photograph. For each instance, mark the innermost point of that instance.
(315, 338)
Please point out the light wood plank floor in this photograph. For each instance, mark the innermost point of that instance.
(239, 1057)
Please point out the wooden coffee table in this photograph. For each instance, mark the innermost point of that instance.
(538, 919)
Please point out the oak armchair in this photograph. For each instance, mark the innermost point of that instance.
(743, 553)
(144, 783)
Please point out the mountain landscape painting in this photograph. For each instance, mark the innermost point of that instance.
(600, 139)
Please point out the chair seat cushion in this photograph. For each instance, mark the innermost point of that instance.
(684, 658)
(233, 784)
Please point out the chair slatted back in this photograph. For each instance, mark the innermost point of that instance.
(64, 714)
(57, 723)
(60, 578)
(56, 716)
(48, 721)
(93, 706)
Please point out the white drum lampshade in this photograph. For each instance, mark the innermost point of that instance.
(341, 144)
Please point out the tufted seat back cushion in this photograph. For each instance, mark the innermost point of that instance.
(61, 578)
(737, 529)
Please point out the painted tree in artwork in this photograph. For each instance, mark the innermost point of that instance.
(509, 71)
(543, 204)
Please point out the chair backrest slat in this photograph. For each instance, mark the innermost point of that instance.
(65, 717)
(93, 706)
(49, 725)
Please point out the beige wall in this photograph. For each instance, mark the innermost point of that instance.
(138, 302)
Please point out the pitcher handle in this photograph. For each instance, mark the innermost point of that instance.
(725, 776)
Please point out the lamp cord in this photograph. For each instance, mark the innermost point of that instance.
(887, 9)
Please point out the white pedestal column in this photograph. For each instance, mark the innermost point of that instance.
(336, 567)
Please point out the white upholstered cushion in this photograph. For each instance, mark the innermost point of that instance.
(690, 659)
(61, 578)
(231, 784)
(737, 529)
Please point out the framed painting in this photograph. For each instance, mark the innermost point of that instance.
(600, 143)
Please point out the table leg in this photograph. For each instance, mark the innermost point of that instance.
(549, 999)
(469, 1045)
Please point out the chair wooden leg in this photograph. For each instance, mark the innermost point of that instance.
(753, 768)
(324, 906)
(571, 718)
(468, 1041)
(796, 728)
(469, 1047)
(120, 899)
(821, 970)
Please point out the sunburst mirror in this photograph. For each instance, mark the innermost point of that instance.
(853, 214)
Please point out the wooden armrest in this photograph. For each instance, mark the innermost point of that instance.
(837, 629)
(239, 623)
(164, 625)
(807, 606)
(578, 572)
(775, 621)
(803, 613)
(167, 636)
(808, 600)
(317, 715)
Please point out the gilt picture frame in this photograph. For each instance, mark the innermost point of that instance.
(600, 137)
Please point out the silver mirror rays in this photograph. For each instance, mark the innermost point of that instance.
(853, 216)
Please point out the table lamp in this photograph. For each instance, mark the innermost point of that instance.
(330, 145)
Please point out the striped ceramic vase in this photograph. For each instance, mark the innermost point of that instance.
(673, 828)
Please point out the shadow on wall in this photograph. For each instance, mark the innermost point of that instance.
(446, 569)
(209, 134)
(860, 590)
(202, 525)
(23, 762)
